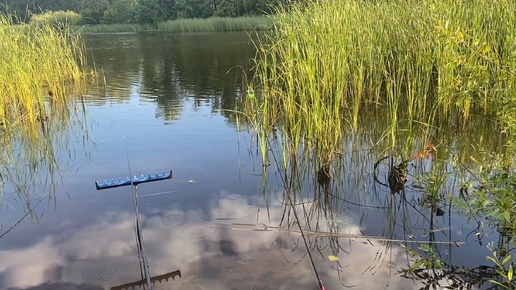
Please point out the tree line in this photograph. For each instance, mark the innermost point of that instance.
(139, 11)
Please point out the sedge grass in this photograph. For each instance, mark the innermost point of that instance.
(110, 28)
(216, 24)
(42, 69)
(324, 63)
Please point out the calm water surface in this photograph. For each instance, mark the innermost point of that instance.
(167, 106)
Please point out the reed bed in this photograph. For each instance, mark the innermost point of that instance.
(42, 71)
(41, 68)
(110, 28)
(217, 24)
(324, 63)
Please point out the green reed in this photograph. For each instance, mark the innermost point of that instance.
(42, 66)
(109, 28)
(219, 24)
(326, 62)
(42, 72)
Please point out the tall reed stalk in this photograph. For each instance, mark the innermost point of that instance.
(326, 62)
(42, 70)
(42, 67)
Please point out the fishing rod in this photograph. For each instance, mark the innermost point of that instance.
(317, 276)
(319, 280)
(134, 182)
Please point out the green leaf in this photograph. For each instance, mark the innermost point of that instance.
(509, 274)
(506, 259)
(507, 216)
(499, 284)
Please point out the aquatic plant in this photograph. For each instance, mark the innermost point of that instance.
(416, 64)
(43, 71)
(216, 24)
(57, 17)
(113, 28)
(41, 66)
(504, 267)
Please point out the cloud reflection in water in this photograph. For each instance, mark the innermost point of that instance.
(232, 251)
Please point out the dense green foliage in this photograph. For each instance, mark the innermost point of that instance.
(140, 11)
(413, 62)
(38, 61)
(42, 71)
(216, 24)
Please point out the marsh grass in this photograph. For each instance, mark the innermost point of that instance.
(109, 28)
(219, 24)
(42, 67)
(42, 72)
(412, 65)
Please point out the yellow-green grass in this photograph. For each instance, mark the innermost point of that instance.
(326, 62)
(57, 17)
(220, 24)
(108, 28)
(41, 68)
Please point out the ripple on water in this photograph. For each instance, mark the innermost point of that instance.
(391, 265)
(232, 280)
(66, 222)
(244, 259)
(70, 233)
(233, 196)
(107, 274)
(195, 232)
(172, 219)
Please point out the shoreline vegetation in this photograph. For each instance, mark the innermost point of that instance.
(416, 63)
(43, 67)
(43, 73)
(212, 24)
(431, 71)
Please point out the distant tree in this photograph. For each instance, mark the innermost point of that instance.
(121, 11)
(92, 11)
(150, 11)
(194, 8)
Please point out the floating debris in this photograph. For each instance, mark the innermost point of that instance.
(333, 258)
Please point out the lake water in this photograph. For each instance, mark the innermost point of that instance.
(168, 105)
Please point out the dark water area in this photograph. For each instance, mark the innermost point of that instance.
(168, 105)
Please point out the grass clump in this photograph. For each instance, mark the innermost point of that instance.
(414, 63)
(57, 17)
(40, 66)
(109, 28)
(216, 24)
(42, 69)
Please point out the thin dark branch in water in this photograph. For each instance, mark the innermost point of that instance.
(21, 219)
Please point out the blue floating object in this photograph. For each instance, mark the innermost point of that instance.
(134, 181)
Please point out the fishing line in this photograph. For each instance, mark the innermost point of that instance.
(319, 280)
(142, 256)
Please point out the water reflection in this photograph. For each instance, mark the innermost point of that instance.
(233, 249)
(164, 68)
(32, 160)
